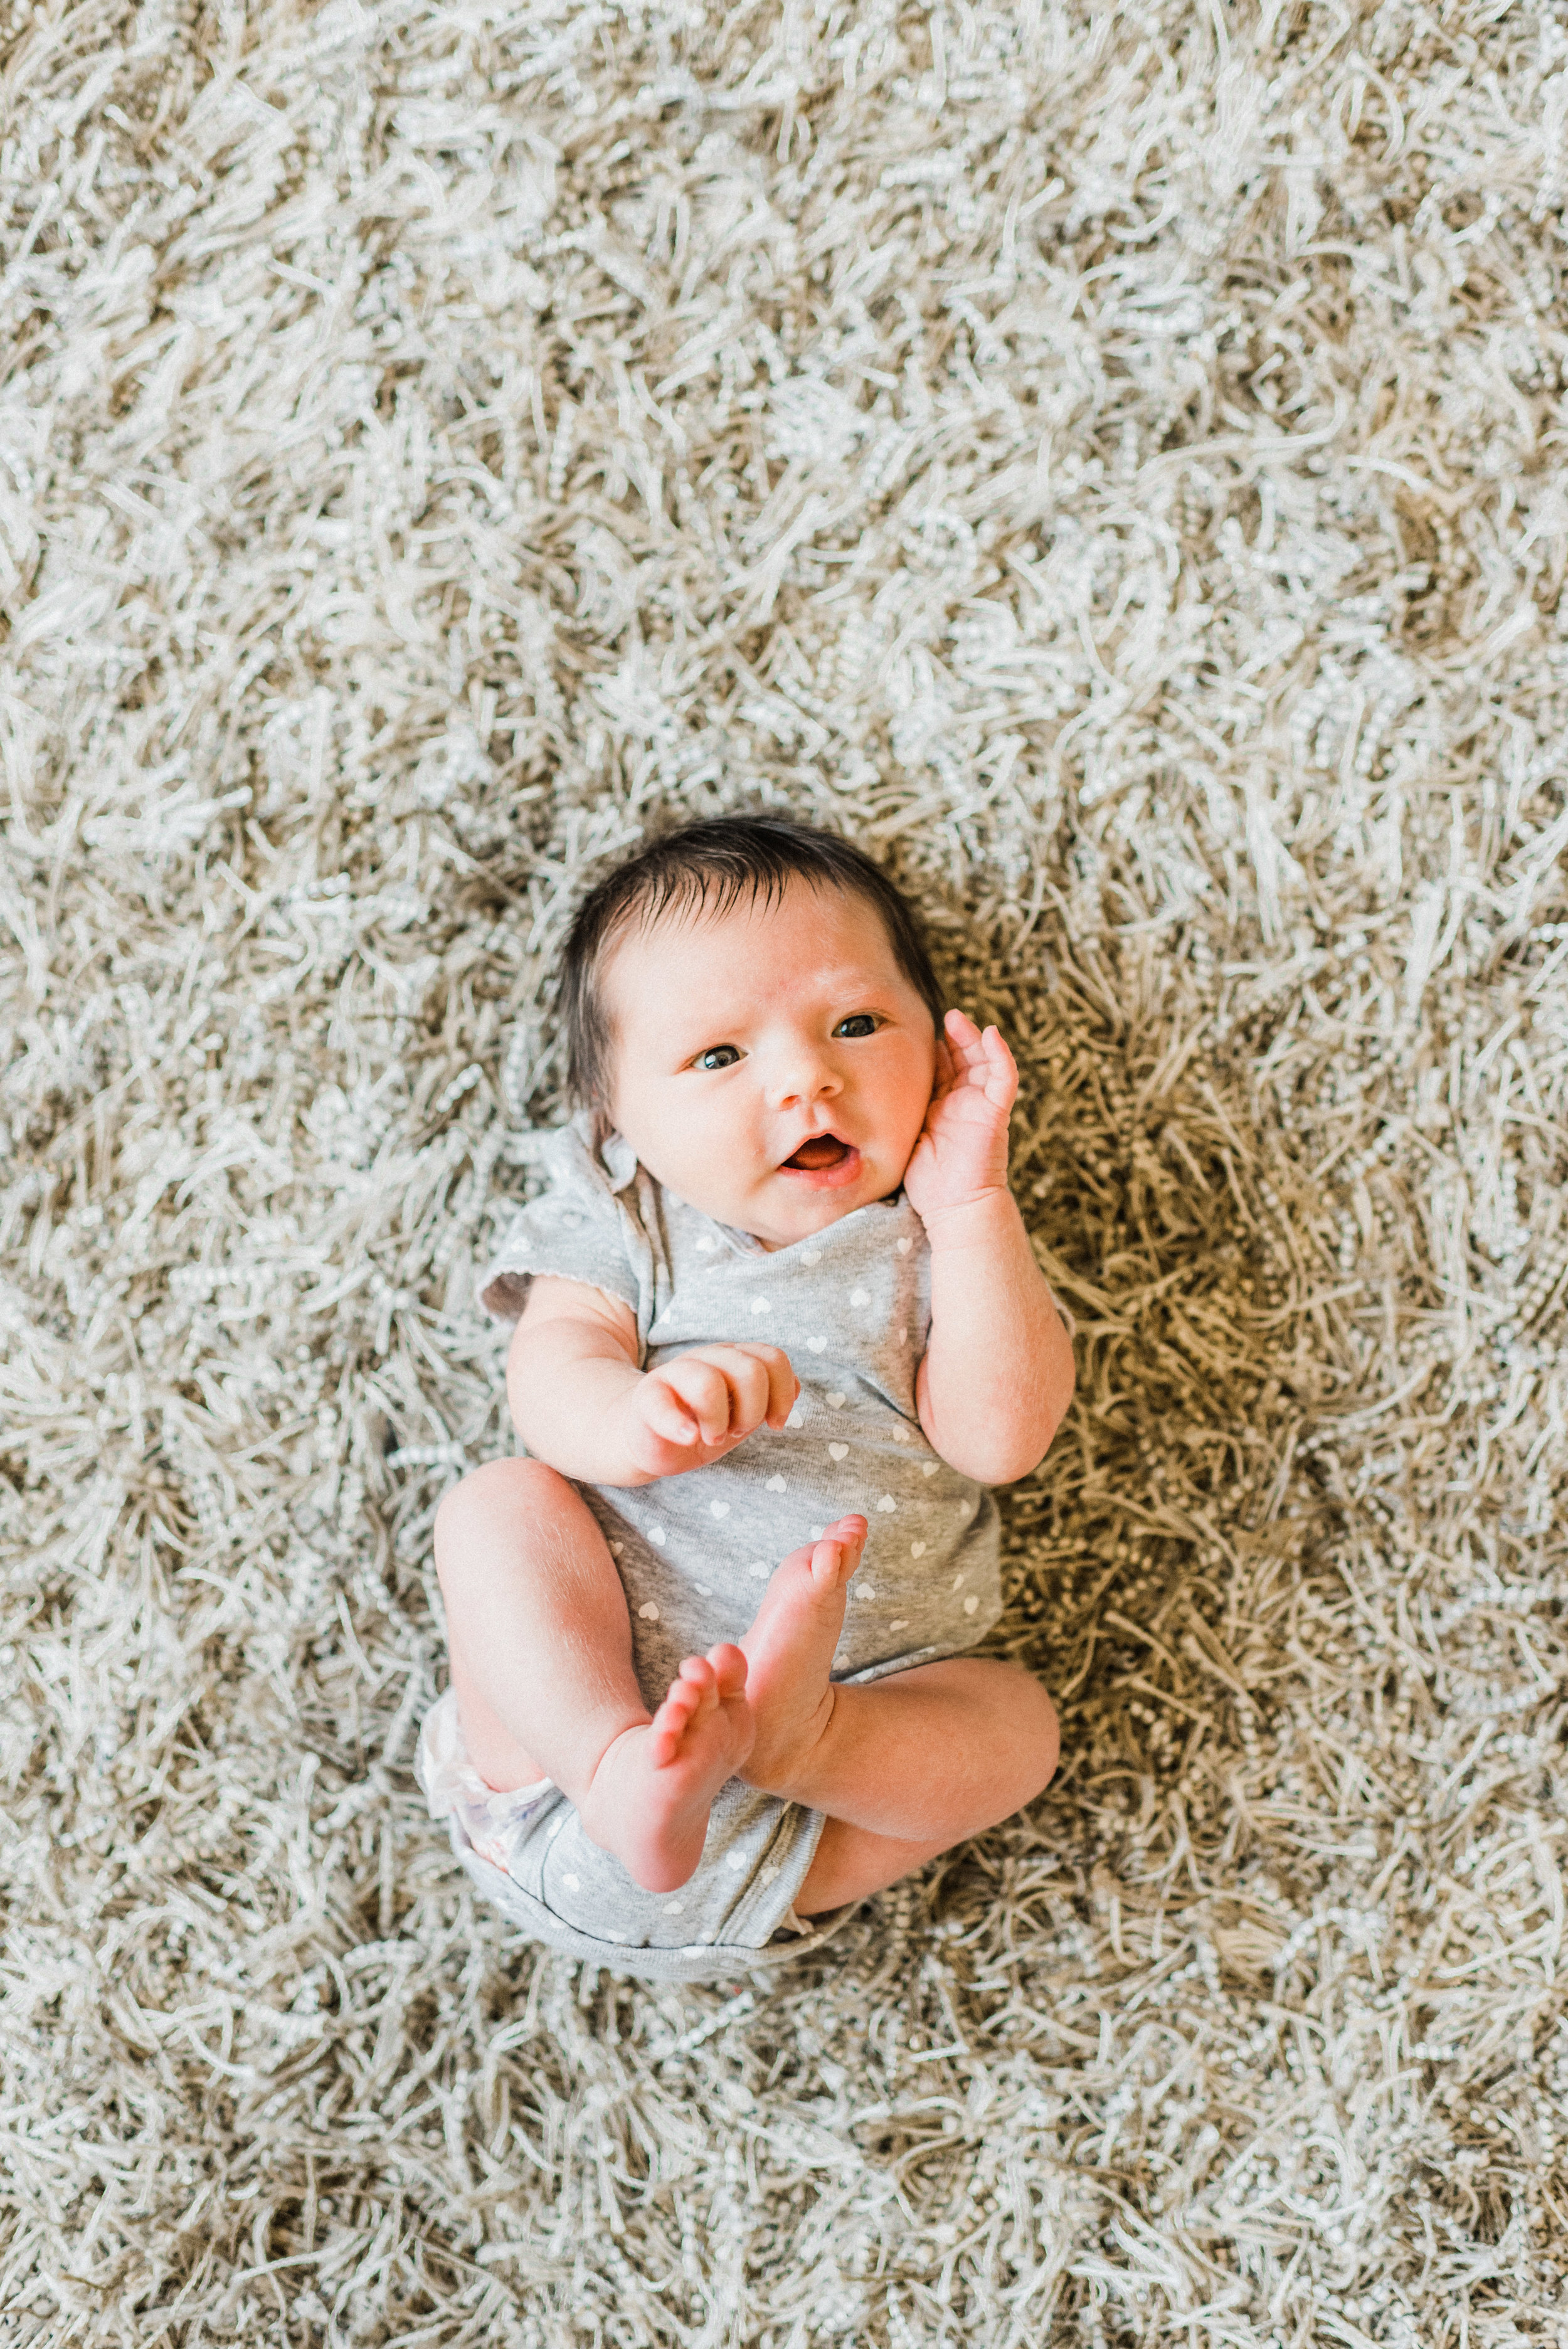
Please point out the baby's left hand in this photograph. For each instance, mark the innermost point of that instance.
(961, 1154)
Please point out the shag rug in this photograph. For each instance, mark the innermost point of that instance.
(1107, 459)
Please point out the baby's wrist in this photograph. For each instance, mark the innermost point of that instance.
(970, 1221)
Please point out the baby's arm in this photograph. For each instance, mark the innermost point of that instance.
(998, 1371)
(580, 1404)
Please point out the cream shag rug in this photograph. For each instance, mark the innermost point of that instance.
(1109, 459)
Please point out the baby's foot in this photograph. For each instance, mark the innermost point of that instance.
(790, 1648)
(651, 1794)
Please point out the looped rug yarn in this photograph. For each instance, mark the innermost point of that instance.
(1108, 458)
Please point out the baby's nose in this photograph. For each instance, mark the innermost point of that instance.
(803, 1076)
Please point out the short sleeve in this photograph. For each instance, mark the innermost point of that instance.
(585, 1226)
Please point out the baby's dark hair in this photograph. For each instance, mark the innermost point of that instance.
(713, 864)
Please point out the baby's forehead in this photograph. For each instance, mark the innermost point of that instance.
(714, 948)
(752, 910)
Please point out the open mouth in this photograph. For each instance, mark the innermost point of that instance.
(818, 1155)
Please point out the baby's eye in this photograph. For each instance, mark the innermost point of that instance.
(717, 1056)
(858, 1023)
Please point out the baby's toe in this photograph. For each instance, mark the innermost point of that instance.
(728, 1665)
(664, 1733)
(683, 1700)
(835, 1560)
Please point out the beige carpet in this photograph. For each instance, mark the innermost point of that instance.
(1110, 460)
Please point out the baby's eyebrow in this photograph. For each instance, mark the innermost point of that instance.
(845, 991)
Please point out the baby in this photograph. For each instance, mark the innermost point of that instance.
(777, 1303)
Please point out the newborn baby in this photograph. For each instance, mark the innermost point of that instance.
(778, 1327)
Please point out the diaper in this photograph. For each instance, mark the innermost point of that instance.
(527, 1853)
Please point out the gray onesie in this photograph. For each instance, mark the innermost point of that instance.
(851, 1308)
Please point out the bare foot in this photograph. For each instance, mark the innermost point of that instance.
(790, 1648)
(651, 1794)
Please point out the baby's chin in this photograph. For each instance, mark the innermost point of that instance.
(792, 1205)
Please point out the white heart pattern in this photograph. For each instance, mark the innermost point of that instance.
(859, 1297)
(774, 1484)
(657, 1534)
(929, 1468)
(900, 1623)
(795, 1419)
(811, 1256)
(673, 1908)
(572, 1883)
(759, 1305)
(817, 1344)
(861, 1590)
(837, 1402)
(758, 1573)
(616, 1548)
(905, 1247)
(838, 1450)
(649, 1613)
(970, 1605)
(917, 1549)
(735, 1859)
(901, 1435)
(887, 1503)
(719, 1508)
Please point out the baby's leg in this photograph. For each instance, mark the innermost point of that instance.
(992, 1726)
(905, 1768)
(849, 1864)
(542, 1668)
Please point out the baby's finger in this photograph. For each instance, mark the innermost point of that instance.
(747, 1376)
(1001, 1071)
(783, 1387)
(759, 1374)
(705, 1390)
(664, 1412)
(946, 1067)
(715, 1403)
(966, 1046)
(942, 1085)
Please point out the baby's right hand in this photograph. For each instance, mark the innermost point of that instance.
(696, 1409)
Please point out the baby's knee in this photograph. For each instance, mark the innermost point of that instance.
(1036, 1740)
(1049, 1750)
(490, 1504)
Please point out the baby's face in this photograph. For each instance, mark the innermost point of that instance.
(773, 1064)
